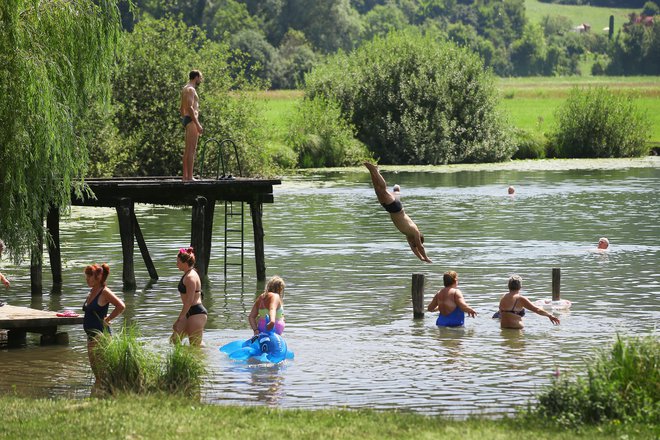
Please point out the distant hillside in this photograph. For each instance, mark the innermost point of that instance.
(597, 17)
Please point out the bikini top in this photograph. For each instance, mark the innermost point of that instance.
(182, 287)
(263, 311)
(520, 312)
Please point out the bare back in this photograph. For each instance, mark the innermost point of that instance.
(445, 300)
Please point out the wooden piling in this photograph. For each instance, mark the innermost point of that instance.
(143, 248)
(197, 233)
(256, 212)
(556, 278)
(418, 280)
(125, 213)
(208, 233)
(36, 263)
(54, 254)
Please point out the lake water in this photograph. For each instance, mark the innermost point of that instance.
(348, 274)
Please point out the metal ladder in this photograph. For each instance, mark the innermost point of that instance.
(232, 209)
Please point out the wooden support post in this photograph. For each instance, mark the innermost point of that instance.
(208, 233)
(418, 280)
(16, 338)
(556, 278)
(256, 212)
(610, 32)
(143, 248)
(197, 230)
(36, 262)
(53, 225)
(127, 232)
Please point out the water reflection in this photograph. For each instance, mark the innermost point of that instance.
(348, 275)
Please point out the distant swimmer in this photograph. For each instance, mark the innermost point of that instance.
(511, 191)
(393, 205)
(603, 244)
(450, 303)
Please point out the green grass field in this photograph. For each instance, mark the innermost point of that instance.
(134, 417)
(529, 102)
(597, 17)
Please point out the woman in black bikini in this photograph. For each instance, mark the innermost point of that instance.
(99, 298)
(513, 305)
(193, 316)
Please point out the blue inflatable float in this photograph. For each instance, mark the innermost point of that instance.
(264, 347)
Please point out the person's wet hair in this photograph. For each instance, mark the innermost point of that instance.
(187, 255)
(276, 285)
(515, 282)
(194, 74)
(95, 270)
(449, 278)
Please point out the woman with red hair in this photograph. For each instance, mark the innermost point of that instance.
(193, 315)
(99, 298)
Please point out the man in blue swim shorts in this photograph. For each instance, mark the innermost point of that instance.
(393, 205)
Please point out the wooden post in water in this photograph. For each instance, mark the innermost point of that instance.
(36, 262)
(556, 278)
(53, 225)
(256, 211)
(143, 248)
(418, 281)
(197, 233)
(208, 233)
(127, 232)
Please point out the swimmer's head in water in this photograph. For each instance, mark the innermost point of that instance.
(603, 243)
(511, 190)
(396, 188)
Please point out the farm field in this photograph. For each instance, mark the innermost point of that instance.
(529, 102)
(597, 17)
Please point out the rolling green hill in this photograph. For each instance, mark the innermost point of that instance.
(597, 17)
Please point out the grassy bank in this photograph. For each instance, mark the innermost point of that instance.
(175, 418)
(597, 17)
(529, 102)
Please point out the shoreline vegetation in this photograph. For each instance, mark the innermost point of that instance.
(615, 397)
(169, 417)
(529, 102)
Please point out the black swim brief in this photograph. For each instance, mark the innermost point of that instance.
(393, 207)
(197, 309)
(185, 120)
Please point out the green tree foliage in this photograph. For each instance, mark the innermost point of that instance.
(321, 137)
(152, 69)
(55, 62)
(415, 100)
(383, 19)
(595, 122)
(636, 50)
(328, 24)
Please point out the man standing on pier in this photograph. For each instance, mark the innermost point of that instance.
(189, 118)
(393, 205)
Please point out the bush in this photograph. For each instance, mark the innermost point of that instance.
(415, 100)
(595, 122)
(125, 366)
(528, 146)
(621, 385)
(321, 137)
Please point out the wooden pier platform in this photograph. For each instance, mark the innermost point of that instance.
(20, 320)
(202, 195)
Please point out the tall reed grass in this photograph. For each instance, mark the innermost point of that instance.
(622, 385)
(126, 366)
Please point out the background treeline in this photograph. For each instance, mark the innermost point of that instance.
(283, 39)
